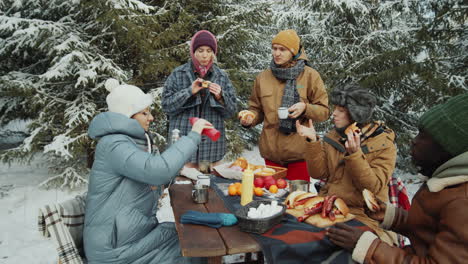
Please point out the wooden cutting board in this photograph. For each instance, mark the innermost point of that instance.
(317, 219)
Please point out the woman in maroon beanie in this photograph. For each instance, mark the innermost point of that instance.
(201, 89)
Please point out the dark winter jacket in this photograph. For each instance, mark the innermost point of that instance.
(436, 223)
(180, 104)
(120, 221)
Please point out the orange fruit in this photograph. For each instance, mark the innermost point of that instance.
(238, 184)
(273, 188)
(239, 191)
(258, 191)
(232, 190)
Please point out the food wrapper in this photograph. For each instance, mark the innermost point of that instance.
(190, 173)
(228, 173)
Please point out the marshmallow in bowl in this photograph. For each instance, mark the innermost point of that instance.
(264, 210)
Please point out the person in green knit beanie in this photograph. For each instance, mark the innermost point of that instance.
(436, 221)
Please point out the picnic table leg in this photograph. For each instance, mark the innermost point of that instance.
(215, 260)
(260, 259)
(248, 257)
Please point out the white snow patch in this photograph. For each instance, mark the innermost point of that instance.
(422, 56)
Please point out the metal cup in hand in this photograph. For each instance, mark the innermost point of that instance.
(200, 193)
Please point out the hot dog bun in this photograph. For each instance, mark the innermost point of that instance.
(314, 201)
(289, 201)
(370, 200)
(301, 200)
(317, 220)
(340, 209)
(352, 128)
(341, 205)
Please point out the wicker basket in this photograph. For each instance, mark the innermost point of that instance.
(258, 226)
(280, 172)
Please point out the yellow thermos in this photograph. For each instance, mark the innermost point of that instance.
(247, 186)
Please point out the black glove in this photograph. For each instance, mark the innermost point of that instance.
(344, 236)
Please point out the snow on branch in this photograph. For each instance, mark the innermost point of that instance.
(61, 144)
(69, 177)
(80, 112)
(131, 4)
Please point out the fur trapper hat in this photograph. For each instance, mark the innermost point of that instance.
(359, 101)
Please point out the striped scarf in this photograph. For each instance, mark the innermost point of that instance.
(290, 95)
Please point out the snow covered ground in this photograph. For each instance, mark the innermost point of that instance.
(20, 198)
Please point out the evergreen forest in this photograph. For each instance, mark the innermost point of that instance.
(55, 56)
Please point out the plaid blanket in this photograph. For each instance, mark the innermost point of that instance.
(64, 223)
(295, 242)
(397, 193)
(292, 241)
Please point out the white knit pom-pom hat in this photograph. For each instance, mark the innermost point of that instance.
(126, 99)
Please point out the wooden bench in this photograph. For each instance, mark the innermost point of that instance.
(202, 241)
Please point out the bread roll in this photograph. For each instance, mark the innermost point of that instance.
(245, 113)
(353, 128)
(265, 172)
(241, 162)
(206, 84)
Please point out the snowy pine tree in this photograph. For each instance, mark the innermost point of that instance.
(409, 53)
(56, 56)
(52, 75)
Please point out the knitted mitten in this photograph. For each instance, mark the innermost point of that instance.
(215, 220)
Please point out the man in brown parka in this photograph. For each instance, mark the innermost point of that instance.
(355, 160)
(436, 222)
(291, 83)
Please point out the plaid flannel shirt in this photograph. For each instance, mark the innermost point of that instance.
(179, 104)
(64, 223)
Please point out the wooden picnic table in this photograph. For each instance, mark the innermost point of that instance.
(203, 241)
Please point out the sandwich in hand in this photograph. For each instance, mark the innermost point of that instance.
(370, 200)
(205, 84)
(353, 128)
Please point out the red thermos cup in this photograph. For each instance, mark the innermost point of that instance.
(212, 133)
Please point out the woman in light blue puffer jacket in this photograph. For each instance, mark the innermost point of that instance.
(120, 221)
